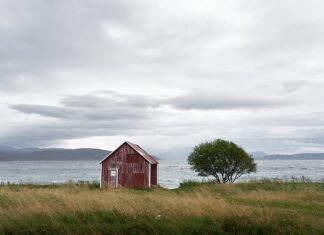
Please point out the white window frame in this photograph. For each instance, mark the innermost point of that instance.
(116, 179)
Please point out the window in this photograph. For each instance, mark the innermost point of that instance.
(113, 173)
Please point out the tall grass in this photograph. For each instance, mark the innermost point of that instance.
(194, 208)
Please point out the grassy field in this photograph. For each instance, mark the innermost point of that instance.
(247, 208)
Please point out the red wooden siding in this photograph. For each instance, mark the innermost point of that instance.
(132, 167)
(154, 174)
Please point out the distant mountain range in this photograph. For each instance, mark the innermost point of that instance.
(51, 154)
(300, 156)
(88, 154)
(258, 154)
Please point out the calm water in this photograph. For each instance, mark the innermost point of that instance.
(170, 174)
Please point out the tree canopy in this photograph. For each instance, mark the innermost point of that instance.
(222, 159)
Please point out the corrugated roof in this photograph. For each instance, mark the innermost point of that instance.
(138, 149)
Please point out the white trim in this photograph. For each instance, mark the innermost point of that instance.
(149, 179)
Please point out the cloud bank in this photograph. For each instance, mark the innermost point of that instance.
(165, 74)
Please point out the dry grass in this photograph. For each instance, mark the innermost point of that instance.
(303, 207)
(127, 202)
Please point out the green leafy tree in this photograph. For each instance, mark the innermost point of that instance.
(222, 159)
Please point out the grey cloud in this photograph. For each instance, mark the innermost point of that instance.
(294, 85)
(95, 114)
(111, 113)
(209, 100)
(43, 110)
(90, 107)
(91, 101)
(96, 108)
(45, 36)
(116, 106)
(262, 57)
(109, 99)
(56, 132)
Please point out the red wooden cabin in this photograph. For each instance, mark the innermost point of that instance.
(128, 166)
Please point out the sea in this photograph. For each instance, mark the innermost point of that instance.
(170, 173)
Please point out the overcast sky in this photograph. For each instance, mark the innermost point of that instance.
(164, 74)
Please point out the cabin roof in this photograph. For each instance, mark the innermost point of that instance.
(138, 149)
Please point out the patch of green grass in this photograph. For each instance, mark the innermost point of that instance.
(272, 185)
(103, 222)
(267, 185)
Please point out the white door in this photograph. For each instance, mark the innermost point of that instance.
(113, 177)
